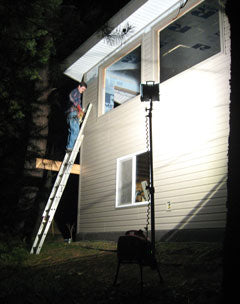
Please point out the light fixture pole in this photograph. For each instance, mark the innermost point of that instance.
(127, 248)
(151, 187)
(150, 92)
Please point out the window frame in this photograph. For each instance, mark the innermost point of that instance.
(165, 23)
(133, 203)
(120, 53)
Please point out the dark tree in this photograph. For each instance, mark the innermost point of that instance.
(231, 262)
(28, 32)
(35, 36)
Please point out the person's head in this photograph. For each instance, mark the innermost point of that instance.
(82, 87)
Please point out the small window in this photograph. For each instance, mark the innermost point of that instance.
(190, 39)
(132, 170)
(122, 79)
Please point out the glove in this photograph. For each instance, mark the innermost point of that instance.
(80, 113)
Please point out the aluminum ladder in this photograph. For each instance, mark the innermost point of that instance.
(58, 188)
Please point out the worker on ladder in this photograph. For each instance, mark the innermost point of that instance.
(74, 114)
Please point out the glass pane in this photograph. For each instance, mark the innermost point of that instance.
(125, 183)
(142, 174)
(189, 40)
(123, 80)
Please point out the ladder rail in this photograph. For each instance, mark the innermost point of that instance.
(50, 202)
(58, 188)
(57, 182)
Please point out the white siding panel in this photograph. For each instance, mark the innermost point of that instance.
(190, 142)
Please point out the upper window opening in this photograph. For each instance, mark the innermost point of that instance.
(190, 39)
(122, 79)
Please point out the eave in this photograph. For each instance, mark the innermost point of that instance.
(140, 14)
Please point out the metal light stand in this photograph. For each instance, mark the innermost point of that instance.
(150, 92)
(151, 187)
(132, 249)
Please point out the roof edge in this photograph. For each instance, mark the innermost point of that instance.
(114, 21)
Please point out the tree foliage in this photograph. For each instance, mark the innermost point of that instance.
(27, 36)
(28, 33)
(35, 36)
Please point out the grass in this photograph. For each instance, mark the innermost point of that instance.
(81, 272)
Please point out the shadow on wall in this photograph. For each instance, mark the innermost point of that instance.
(203, 212)
(183, 230)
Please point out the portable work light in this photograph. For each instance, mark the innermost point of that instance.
(134, 247)
(150, 91)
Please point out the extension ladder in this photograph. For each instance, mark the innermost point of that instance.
(58, 188)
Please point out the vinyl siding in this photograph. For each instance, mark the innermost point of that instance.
(190, 148)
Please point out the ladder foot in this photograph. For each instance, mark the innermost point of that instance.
(58, 187)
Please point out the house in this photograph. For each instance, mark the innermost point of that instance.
(184, 46)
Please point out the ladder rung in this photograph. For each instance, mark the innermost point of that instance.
(57, 192)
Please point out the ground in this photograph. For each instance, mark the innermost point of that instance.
(82, 272)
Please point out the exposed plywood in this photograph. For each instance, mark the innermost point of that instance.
(54, 165)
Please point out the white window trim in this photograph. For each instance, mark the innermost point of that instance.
(166, 22)
(119, 160)
(102, 73)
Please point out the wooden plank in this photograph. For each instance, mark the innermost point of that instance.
(54, 165)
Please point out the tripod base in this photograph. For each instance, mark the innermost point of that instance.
(133, 249)
(154, 266)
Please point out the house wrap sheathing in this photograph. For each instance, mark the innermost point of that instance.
(184, 46)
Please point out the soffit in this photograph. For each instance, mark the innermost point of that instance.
(96, 48)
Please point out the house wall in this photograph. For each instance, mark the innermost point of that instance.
(190, 146)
